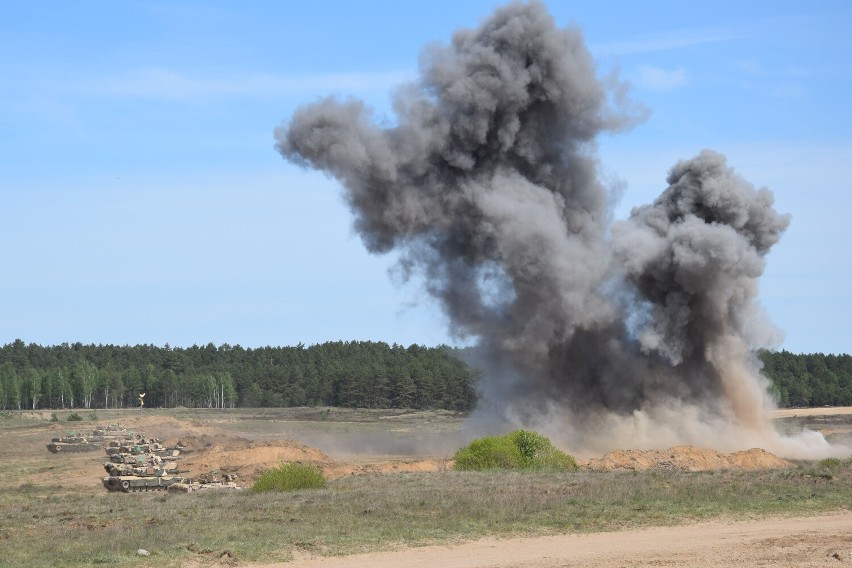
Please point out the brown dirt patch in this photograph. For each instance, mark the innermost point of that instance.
(250, 458)
(336, 470)
(802, 542)
(820, 411)
(208, 450)
(246, 458)
(684, 458)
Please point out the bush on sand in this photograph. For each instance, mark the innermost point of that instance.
(289, 477)
(520, 449)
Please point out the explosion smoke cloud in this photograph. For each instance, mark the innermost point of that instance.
(488, 186)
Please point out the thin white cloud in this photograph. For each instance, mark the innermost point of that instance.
(788, 91)
(751, 67)
(668, 40)
(42, 108)
(798, 72)
(755, 68)
(782, 83)
(162, 83)
(657, 79)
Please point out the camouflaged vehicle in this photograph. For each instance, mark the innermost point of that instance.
(207, 482)
(148, 472)
(112, 433)
(135, 483)
(73, 442)
(79, 442)
(111, 429)
(142, 446)
(142, 468)
(146, 465)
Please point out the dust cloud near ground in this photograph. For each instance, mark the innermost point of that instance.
(248, 458)
(352, 443)
(246, 444)
(348, 442)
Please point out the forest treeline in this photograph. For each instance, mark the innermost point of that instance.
(815, 379)
(354, 374)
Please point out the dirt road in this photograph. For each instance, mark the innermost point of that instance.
(800, 542)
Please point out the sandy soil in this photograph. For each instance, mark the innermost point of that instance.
(684, 458)
(210, 449)
(814, 541)
(207, 449)
(801, 542)
(822, 411)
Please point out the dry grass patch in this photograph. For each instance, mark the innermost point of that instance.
(370, 512)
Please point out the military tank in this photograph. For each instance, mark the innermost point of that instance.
(135, 483)
(111, 429)
(206, 482)
(139, 466)
(112, 433)
(142, 446)
(146, 465)
(79, 442)
(149, 472)
(73, 442)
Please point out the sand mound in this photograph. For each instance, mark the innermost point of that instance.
(336, 470)
(684, 458)
(247, 458)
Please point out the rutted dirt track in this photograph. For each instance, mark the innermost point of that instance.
(800, 542)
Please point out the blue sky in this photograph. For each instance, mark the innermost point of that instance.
(143, 202)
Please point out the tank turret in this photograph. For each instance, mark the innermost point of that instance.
(100, 435)
(73, 442)
(135, 470)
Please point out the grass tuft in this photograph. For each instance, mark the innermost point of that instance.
(830, 463)
(289, 477)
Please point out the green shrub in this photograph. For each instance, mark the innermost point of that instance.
(538, 452)
(492, 452)
(54, 417)
(520, 449)
(289, 477)
(830, 463)
(74, 417)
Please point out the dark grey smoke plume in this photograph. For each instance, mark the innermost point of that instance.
(488, 185)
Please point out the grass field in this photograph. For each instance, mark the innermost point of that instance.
(48, 517)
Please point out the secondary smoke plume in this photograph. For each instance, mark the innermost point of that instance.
(635, 332)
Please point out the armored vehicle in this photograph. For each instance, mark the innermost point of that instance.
(111, 433)
(141, 446)
(112, 430)
(140, 473)
(151, 469)
(79, 442)
(72, 443)
(131, 483)
(210, 482)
